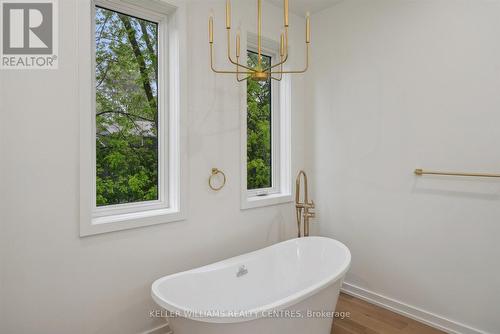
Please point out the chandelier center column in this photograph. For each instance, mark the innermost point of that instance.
(259, 5)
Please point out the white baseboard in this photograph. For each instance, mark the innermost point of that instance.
(428, 318)
(163, 329)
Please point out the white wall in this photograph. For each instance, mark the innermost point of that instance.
(55, 282)
(397, 85)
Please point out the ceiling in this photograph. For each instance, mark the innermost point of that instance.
(301, 7)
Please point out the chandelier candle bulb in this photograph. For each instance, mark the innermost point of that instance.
(308, 28)
(228, 14)
(238, 45)
(286, 7)
(211, 29)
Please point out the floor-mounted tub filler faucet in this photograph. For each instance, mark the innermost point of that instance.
(305, 209)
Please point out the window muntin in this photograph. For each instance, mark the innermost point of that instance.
(259, 130)
(127, 112)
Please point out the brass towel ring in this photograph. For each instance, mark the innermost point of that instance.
(215, 172)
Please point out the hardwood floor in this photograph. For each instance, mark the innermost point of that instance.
(366, 318)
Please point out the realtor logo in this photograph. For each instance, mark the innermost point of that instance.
(29, 34)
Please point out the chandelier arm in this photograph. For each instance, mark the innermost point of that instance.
(286, 55)
(283, 60)
(281, 74)
(220, 71)
(229, 53)
(244, 79)
(238, 72)
(296, 72)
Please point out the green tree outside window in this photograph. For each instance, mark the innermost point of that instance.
(126, 108)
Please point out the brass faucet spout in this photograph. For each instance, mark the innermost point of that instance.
(301, 175)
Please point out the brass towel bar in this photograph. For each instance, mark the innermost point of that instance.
(421, 172)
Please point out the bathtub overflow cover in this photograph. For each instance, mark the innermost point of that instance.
(242, 271)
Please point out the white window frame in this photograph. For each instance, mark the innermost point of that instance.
(281, 189)
(171, 102)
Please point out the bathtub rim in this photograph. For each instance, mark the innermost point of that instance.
(280, 304)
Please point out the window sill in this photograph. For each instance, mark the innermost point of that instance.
(263, 201)
(128, 221)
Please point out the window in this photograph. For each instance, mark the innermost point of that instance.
(266, 135)
(127, 122)
(132, 117)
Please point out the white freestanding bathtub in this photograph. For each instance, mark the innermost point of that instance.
(291, 287)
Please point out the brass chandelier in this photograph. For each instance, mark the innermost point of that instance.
(259, 72)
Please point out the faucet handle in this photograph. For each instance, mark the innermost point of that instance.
(309, 211)
(310, 205)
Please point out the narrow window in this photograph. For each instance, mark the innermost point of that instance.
(131, 108)
(259, 130)
(127, 128)
(266, 134)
